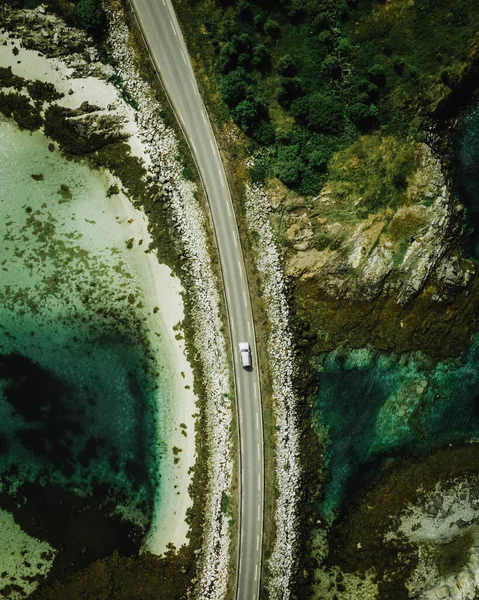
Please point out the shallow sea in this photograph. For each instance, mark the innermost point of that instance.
(378, 406)
(78, 392)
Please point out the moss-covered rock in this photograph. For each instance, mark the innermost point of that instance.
(384, 221)
(439, 329)
(367, 538)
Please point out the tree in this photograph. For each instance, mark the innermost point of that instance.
(89, 15)
(289, 166)
(263, 132)
(320, 22)
(300, 108)
(318, 160)
(228, 57)
(324, 114)
(272, 28)
(234, 86)
(261, 57)
(290, 89)
(326, 40)
(248, 113)
(377, 75)
(362, 115)
(331, 66)
(237, 51)
(286, 66)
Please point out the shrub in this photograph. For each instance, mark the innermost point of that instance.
(272, 28)
(286, 66)
(345, 45)
(326, 40)
(320, 22)
(377, 75)
(248, 113)
(362, 115)
(331, 67)
(263, 133)
(228, 58)
(290, 89)
(234, 86)
(261, 57)
(300, 108)
(289, 166)
(89, 15)
(324, 114)
(318, 160)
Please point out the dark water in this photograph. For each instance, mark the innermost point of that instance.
(376, 406)
(466, 161)
(76, 439)
(82, 421)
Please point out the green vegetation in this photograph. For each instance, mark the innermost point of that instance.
(83, 14)
(19, 108)
(377, 170)
(89, 15)
(310, 77)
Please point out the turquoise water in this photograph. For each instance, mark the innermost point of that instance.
(78, 392)
(376, 406)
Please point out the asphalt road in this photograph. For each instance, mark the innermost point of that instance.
(168, 50)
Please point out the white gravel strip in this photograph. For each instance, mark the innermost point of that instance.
(282, 563)
(162, 147)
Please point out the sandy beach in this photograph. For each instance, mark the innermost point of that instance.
(160, 289)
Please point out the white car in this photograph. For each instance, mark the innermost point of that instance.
(245, 352)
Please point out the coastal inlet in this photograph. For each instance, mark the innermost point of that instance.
(82, 370)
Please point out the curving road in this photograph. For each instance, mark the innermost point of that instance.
(162, 33)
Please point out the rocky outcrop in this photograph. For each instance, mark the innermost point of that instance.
(385, 222)
(444, 527)
(47, 33)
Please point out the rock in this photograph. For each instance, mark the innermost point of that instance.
(360, 254)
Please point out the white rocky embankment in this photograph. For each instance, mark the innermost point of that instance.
(282, 563)
(162, 147)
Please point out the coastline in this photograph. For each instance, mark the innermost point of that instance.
(178, 401)
(161, 289)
